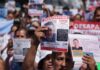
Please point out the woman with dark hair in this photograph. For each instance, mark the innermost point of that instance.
(45, 63)
(96, 16)
(20, 33)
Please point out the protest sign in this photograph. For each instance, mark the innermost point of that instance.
(3, 12)
(88, 28)
(20, 47)
(36, 1)
(35, 10)
(84, 45)
(56, 37)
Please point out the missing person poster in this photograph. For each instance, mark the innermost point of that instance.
(56, 37)
(84, 45)
(87, 28)
(20, 47)
(35, 10)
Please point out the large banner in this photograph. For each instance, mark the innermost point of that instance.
(56, 37)
(5, 26)
(20, 47)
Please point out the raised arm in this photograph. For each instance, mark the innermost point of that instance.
(29, 60)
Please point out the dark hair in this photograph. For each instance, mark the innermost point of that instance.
(12, 28)
(48, 23)
(22, 28)
(41, 62)
(65, 8)
(68, 53)
(95, 12)
(75, 39)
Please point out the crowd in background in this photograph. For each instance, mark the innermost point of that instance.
(27, 26)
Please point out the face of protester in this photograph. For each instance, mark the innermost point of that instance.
(48, 63)
(28, 20)
(10, 16)
(77, 17)
(21, 34)
(76, 43)
(62, 62)
(97, 17)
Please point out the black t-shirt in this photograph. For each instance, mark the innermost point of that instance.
(74, 48)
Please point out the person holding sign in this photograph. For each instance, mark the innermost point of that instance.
(21, 33)
(96, 16)
(46, 63)
(60, 60)
(88, 63)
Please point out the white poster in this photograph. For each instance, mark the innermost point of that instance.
(20, 47)
(84, 45)
(56, 37)
(35, 10)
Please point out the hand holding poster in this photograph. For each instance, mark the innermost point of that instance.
(84, 45)
(20, 47)
(56, 37)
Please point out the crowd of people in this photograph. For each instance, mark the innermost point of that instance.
(27, 26)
